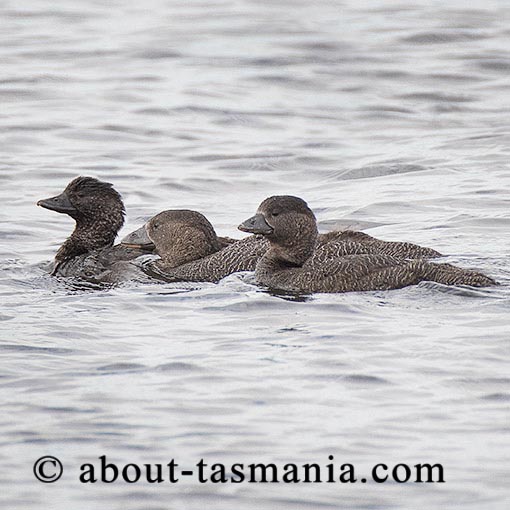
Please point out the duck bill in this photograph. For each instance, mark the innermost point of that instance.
(138, 239)
(256, 225)
(60, 204)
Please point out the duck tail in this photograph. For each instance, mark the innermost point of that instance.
(452, 275)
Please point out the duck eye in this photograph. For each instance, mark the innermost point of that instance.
(275, 214)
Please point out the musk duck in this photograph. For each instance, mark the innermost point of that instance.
(190, 250)
(295, 263)
(98, 211)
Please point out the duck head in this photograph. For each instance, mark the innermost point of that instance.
(288, 224)
(180, 236)
(97, 210)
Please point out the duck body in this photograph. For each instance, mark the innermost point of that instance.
(361, 273)
(113, 264)
(294, 262)
(98, 211)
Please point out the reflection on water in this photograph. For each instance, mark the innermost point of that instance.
(384, 116)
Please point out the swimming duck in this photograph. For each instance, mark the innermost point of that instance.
(98, 211)
(294, 263)
(190, 250)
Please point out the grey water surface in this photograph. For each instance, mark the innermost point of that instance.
(393, 117)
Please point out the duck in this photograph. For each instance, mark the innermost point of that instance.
(98, 211)
(294, 262)
(190, 250)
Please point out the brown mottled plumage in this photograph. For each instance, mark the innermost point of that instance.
(294, 263)
(241, 255)
(99, 214)
(188, 247)
(373, 245)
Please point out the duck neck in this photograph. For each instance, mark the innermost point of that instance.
(88, 235)
(293, 252)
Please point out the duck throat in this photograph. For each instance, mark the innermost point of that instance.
(292, 252)
(89, 235)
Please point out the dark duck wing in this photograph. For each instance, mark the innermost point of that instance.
(109, 265)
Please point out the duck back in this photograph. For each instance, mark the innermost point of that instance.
(356, 242)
